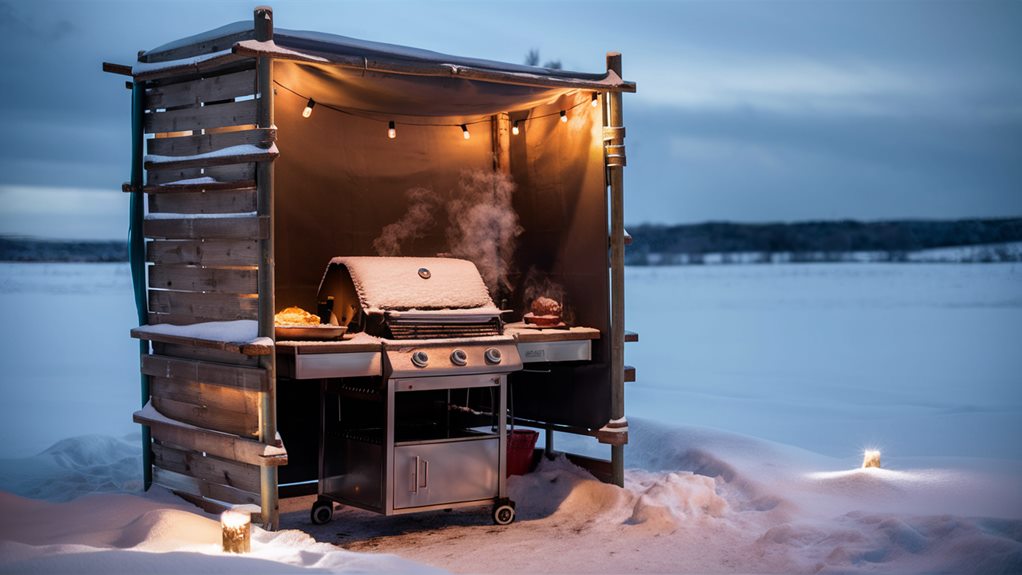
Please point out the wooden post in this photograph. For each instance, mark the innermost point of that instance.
(615, 177)
(136, 258)
(264, 207)
(502, 143)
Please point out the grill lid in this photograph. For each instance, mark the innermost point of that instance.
(384, 284)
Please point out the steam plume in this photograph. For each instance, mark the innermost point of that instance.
(413, 225)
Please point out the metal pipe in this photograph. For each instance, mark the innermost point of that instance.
(136, 259)
(615, 176)
(263, 16)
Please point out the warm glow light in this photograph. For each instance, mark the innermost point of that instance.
(564, 116)
(870, 458)
(514, 128)
(391, 131)
(464, 131)
(596, 102)
(308, 108)
(236, 528)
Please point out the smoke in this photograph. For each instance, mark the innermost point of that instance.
(422, 203)
(484, 226)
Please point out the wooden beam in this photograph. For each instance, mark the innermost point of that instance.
(210, 506)
(239, 423)
(197, 92)
(631, 336)
(187, 69)
(255, 347)
(205, 46)
(227, 228)
(217, 202)
(226, 114)
(197, 187)
(232, 376)
(207, 467)
(120, 69)
(189, 278)
(208, 142)
(220, 307)
(203, 354)
(204, 253)
(613, 118)
(168, 163)
(216, 443)
(197, 487)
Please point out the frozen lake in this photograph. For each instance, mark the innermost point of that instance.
(918, 359)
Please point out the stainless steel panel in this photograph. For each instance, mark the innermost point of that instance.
(323, 365)
(446, 382)
(438, 473)
(400, 365)
(539, 352)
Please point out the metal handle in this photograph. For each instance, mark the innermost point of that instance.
(415, 475)
(425, 473)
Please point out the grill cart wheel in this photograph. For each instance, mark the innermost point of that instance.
(504, 512)
(322, 511)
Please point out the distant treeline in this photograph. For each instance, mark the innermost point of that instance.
(36, 250)
(823, 237)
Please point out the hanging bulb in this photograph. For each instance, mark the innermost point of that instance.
(564, 117)
(514, 128)
(464, 132)
(391, 130)
(308, 108)
(596, 101)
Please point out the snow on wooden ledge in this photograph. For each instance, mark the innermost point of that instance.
(240, 336)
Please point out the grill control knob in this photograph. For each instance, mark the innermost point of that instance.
(493, 355)
(420, 359)
(459, 357)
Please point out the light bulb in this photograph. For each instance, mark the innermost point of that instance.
(391, 131)
(596, 102)
(464, 132)
(564, 117)
(514, 128)
(308, 108)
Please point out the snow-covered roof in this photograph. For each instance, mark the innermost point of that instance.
(395, 283)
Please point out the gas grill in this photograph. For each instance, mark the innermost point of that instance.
(425, 427)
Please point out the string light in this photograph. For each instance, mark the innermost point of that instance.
(514, 128)
(464, 132)
(391, 130)
(564, 117)
(596, 102)
(308, 108)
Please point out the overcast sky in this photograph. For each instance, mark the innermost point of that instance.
(748, 111)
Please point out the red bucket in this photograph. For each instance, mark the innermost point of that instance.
(520, 445)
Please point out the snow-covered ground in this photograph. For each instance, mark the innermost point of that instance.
(758, 387)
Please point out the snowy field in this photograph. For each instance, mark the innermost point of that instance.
(758, 388)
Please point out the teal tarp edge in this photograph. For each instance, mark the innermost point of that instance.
(136, 258)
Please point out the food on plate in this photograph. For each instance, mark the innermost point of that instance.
(546, 306)
(295, 316)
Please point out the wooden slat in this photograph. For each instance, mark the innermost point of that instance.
(235, 407)
(186, 70)
(211, 89)
(226, 228)
(153, 318)
(208, 253)
(191, 278)
(255, 347)
(209, 162)
(199, 187)
(212, 418)
(227, 202)
(204, 354)
(210, 442)
(207, 467)
(629, 373)
(197, 487)
(227, 114)
(205, 372)
(206, 46)
(208, 142)
(631, 336)
(157, 176)
(210, 305)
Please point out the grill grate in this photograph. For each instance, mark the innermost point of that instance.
(439, 330)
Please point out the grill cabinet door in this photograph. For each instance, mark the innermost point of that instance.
(450, 472)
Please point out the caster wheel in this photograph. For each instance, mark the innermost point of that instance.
(504, 514)
(322, 512)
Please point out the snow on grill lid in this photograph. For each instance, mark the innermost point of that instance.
(394, 283)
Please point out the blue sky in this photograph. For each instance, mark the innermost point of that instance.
(747, 111)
